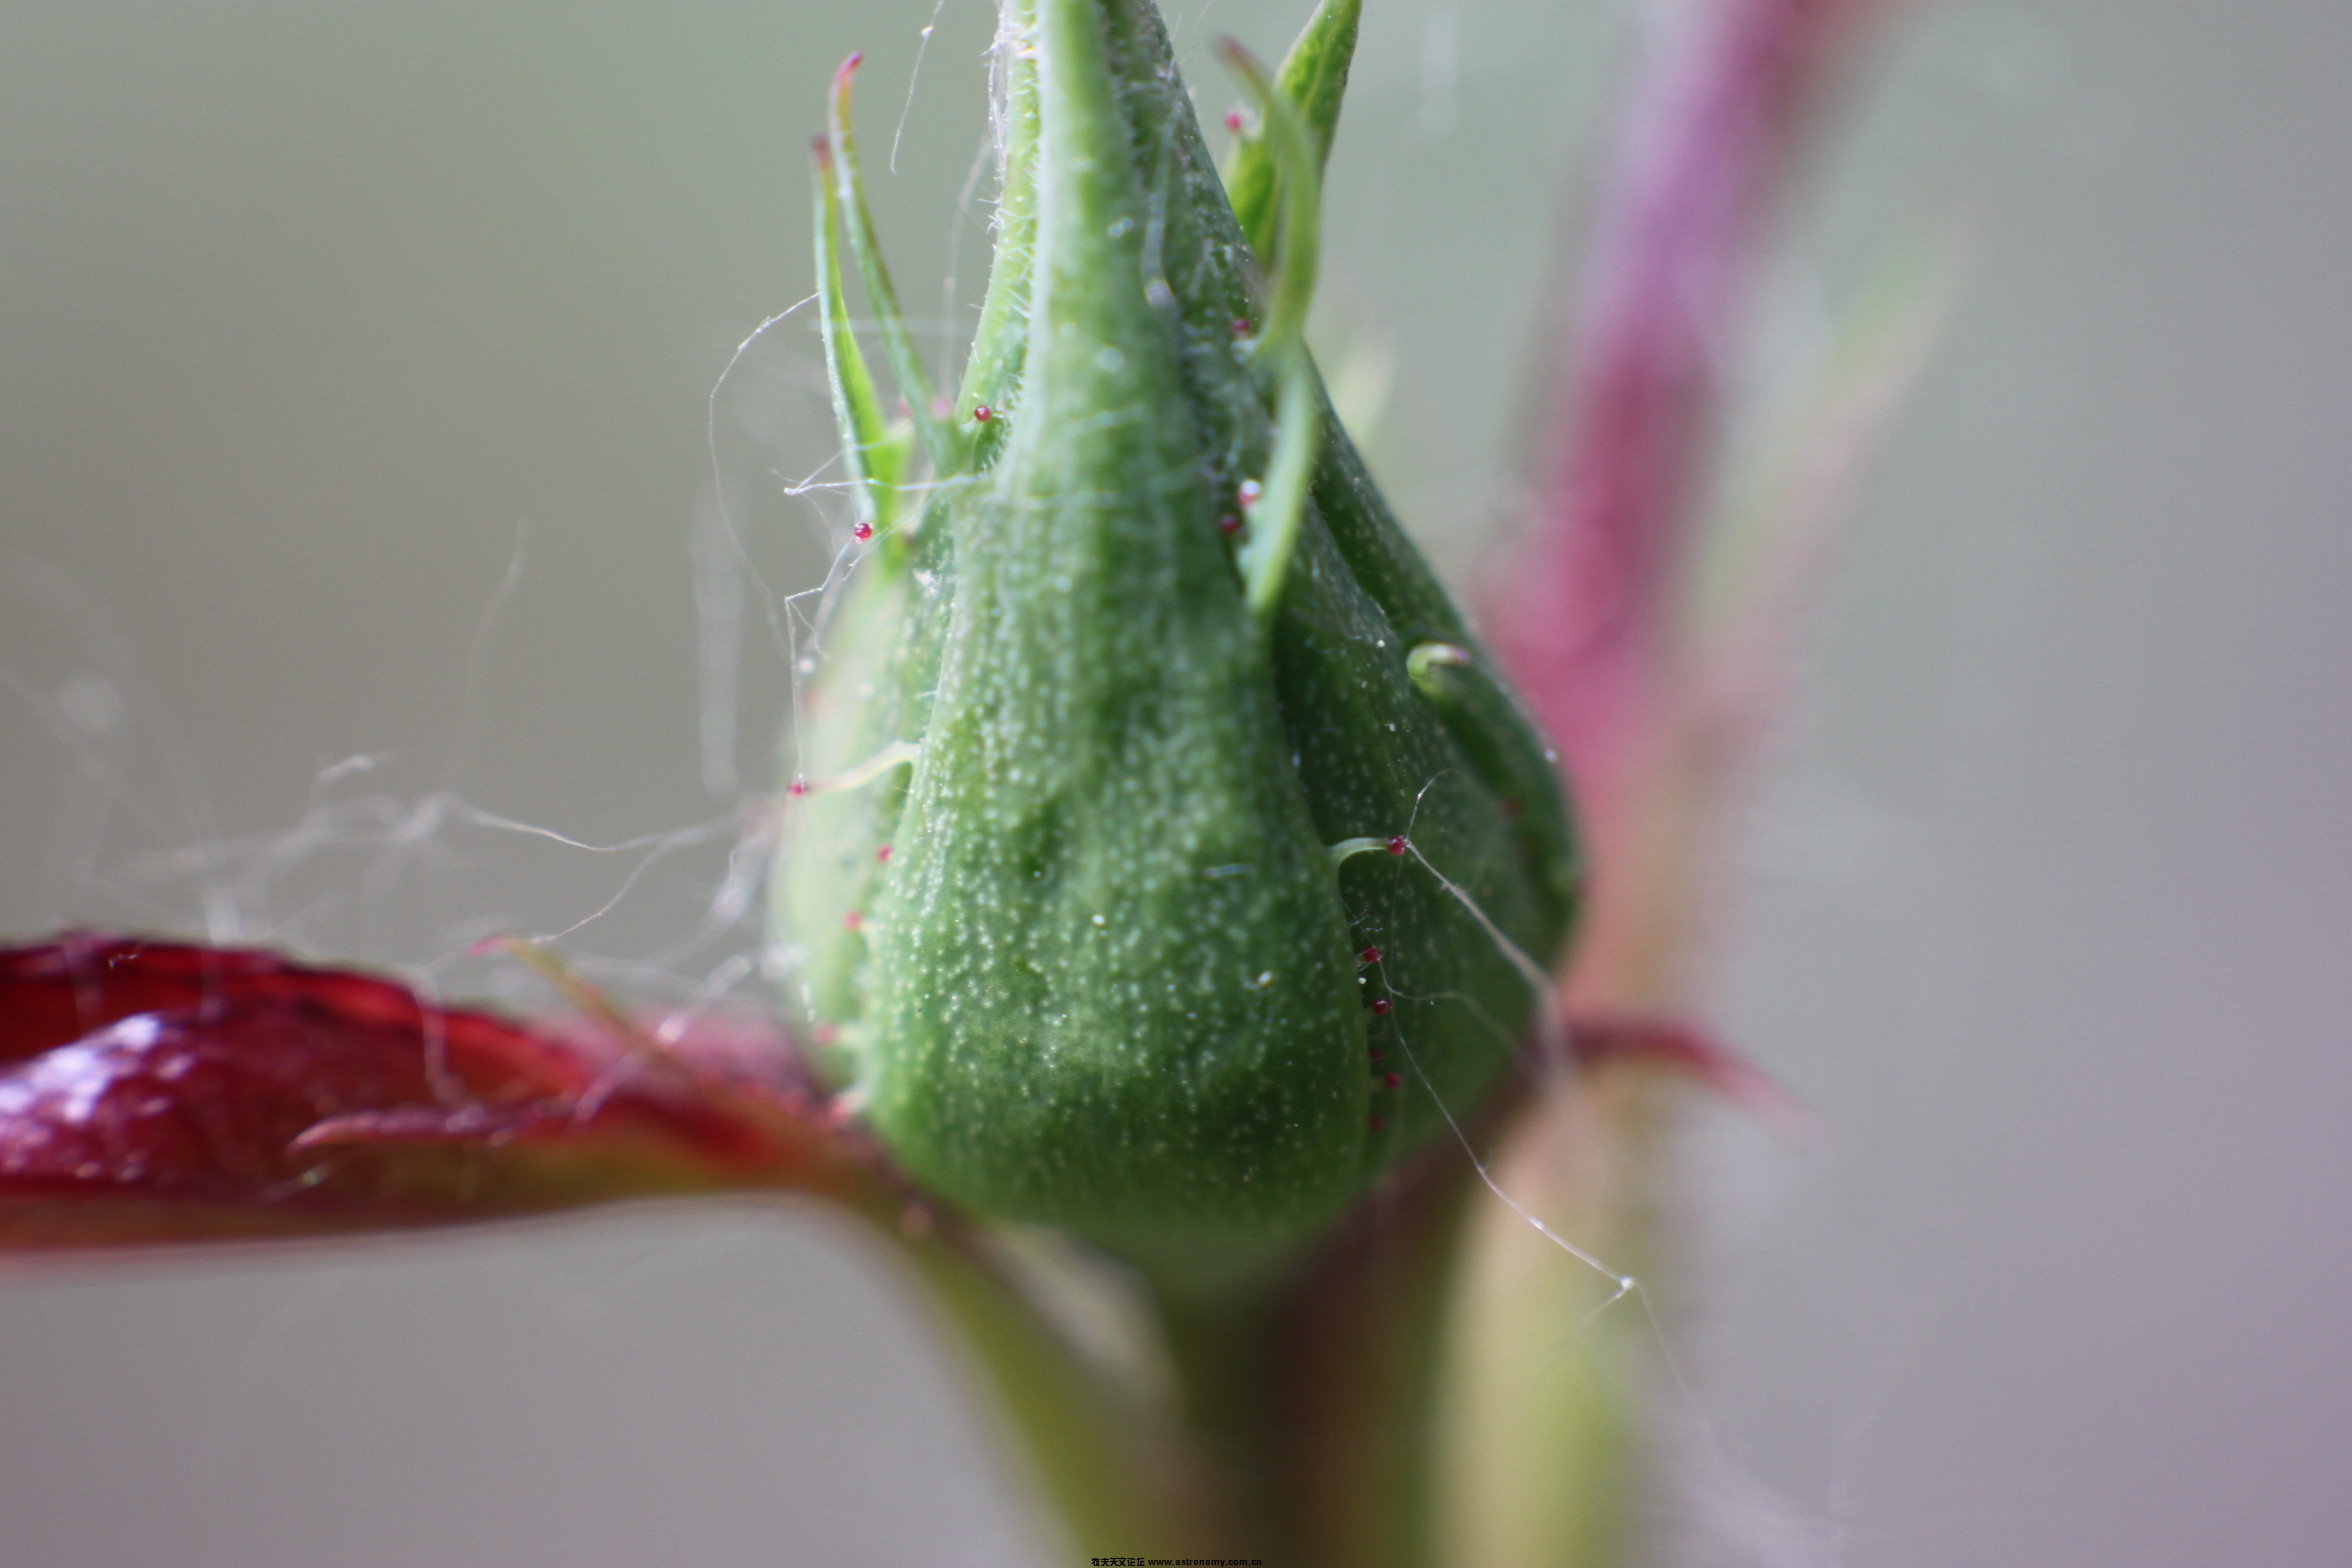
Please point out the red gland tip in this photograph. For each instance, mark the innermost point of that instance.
(1241, 326)
(1381, 1006)
(982, 414)
(1392, 1080)
(1233, 120)
(883, 854)
(1370, 955)
(862, 532)
(797, 788)
(1398, 845)
(853, 920)
(1229, 524)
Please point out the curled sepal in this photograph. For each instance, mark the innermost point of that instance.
(1298, 213)
(163, 1092)
(1314, 78)
(872, 453)
(1277, 515)
(865, 247)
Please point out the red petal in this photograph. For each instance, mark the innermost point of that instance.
(159, 1091)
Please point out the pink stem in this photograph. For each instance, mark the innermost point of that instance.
(1717, 115)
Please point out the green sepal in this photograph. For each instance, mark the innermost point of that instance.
(1111, 977)
(940, 441)
(1314, 77)
(1496, 734)
(1376, 758)
(842, 810)
(869, 457)
(1274, 521)
(992, 374)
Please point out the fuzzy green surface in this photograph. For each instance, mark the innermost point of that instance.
(1109, 977)
(1113, 988)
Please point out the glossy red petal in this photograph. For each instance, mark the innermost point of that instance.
(155, 1091)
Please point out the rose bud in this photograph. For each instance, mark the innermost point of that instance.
(1150, 785)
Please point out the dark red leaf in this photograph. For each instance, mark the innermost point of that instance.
(156, 1091)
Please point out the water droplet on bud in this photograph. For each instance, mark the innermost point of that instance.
(1250, 491)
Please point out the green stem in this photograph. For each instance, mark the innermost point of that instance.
(1111, 1468)
(1315, 1402)
(1545, 1357)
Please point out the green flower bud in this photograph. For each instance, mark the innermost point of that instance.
(1165, 859)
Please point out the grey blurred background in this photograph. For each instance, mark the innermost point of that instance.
(364, 493)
